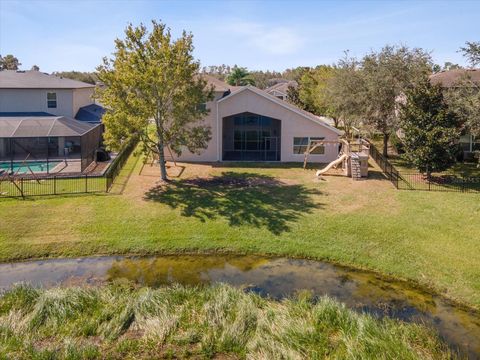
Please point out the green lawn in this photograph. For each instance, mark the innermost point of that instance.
(431, 238)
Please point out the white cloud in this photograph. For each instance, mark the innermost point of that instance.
(275, 40)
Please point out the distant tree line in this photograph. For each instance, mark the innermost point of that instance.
(258, 78)
(88, 77)
(9, 62)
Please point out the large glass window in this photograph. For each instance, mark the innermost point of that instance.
(51, 100)
(300, 145)
(251, 137)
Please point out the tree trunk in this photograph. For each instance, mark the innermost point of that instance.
(161, 156)
(385, 144)
(335, 121)
(161, 161)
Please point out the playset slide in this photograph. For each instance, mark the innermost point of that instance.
(332, 164)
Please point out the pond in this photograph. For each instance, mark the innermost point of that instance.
(274, 277)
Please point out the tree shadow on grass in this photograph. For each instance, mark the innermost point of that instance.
(241, 198)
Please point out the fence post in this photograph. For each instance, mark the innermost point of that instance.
(54, 185)
(86, 183)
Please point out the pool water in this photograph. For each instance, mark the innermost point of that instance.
(22, 168)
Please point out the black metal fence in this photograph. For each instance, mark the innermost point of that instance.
(388, 169)
(63, 184)
(117, 164)
(52, 185)
(417, 181)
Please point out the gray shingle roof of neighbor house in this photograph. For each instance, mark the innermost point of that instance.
(13, 79)
(451, 77)
(91, 113)
(42, 126)
(281, 86)
(218, 85)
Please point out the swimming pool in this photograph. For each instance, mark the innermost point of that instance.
(22, 168)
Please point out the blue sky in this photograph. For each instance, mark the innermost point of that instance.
(75, 35)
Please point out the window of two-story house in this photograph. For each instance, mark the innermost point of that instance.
(201, 107)
(51, 100)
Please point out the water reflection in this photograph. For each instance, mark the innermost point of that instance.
(276, 278)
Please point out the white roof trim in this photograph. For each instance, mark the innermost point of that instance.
(284, 104)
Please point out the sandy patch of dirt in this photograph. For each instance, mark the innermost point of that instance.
(343, 194)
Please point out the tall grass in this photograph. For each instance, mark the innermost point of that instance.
(119, 321)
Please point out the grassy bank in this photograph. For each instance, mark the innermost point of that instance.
(178, 322)
(431, 238)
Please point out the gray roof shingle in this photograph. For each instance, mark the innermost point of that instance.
(281, 87)
(449, 78)
(12, 79)
(218, 85)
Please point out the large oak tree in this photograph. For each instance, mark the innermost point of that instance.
(387, 75)
(152, 90)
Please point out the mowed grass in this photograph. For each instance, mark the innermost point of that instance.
(427, 237)
(118, 322)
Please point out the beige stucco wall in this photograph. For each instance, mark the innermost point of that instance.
(82, 97)
(30, 100)
(293, 125)
(209, 154)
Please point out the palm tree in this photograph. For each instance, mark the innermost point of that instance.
(240, 77)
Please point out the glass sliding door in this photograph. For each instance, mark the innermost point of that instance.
(251, 137)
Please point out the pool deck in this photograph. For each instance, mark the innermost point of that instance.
(69, 166)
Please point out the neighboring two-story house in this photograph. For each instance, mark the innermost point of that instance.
(45, 116)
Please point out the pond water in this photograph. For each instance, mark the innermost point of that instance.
(274, 277)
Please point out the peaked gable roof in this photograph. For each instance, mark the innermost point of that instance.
(14, 79)
(284, 104)
(281, 87)
(218, 85)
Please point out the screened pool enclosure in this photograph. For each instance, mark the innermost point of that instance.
(251, 137)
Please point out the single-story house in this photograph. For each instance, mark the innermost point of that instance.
(248, 124)
(450, 79)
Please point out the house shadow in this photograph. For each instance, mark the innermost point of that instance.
(241, 198)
